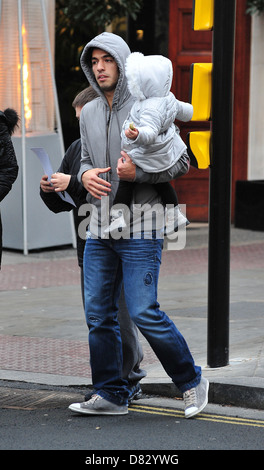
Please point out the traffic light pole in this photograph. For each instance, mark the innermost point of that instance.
(220, 184)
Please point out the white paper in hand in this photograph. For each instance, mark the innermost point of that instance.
(47, 168)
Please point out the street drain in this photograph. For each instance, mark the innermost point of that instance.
(22, 399)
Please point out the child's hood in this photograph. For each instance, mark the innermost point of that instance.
(148, 76)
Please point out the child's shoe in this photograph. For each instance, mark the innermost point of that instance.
(174, 220)
(117, 223)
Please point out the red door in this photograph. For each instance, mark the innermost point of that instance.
(186, 47)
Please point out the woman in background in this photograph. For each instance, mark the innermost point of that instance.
(8, 162)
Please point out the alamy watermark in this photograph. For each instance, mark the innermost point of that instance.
(138, 221)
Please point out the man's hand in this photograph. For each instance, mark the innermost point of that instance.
(96, 186)
(126, 170)
(45, 185)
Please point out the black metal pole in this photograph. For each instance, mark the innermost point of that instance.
(220, 184)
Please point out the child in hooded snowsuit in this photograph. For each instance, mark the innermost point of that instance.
(149, 135)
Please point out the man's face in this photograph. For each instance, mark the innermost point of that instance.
(105, 70)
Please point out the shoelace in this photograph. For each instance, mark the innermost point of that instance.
(190, 397)
(94, 398)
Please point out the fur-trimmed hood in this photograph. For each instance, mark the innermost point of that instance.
(148, 76)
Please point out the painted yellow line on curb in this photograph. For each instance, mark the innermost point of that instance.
(202, 416)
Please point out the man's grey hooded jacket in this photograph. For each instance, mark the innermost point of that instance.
(100, 129)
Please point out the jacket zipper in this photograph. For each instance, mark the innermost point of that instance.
(107, 146)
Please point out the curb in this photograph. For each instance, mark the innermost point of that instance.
(241, 396)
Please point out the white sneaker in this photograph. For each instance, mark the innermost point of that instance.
(98, 406)
(117, 221)
(174, 220)
(196, 398)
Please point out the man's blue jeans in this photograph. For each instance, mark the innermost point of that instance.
(136, 262)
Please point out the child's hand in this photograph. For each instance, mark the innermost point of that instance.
(45, 185)
(60, 181)
(131, 132)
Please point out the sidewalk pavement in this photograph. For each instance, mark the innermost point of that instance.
(43, 334)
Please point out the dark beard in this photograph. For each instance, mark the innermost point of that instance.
(107, 88)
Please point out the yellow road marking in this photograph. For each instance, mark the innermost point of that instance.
(202, 416)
